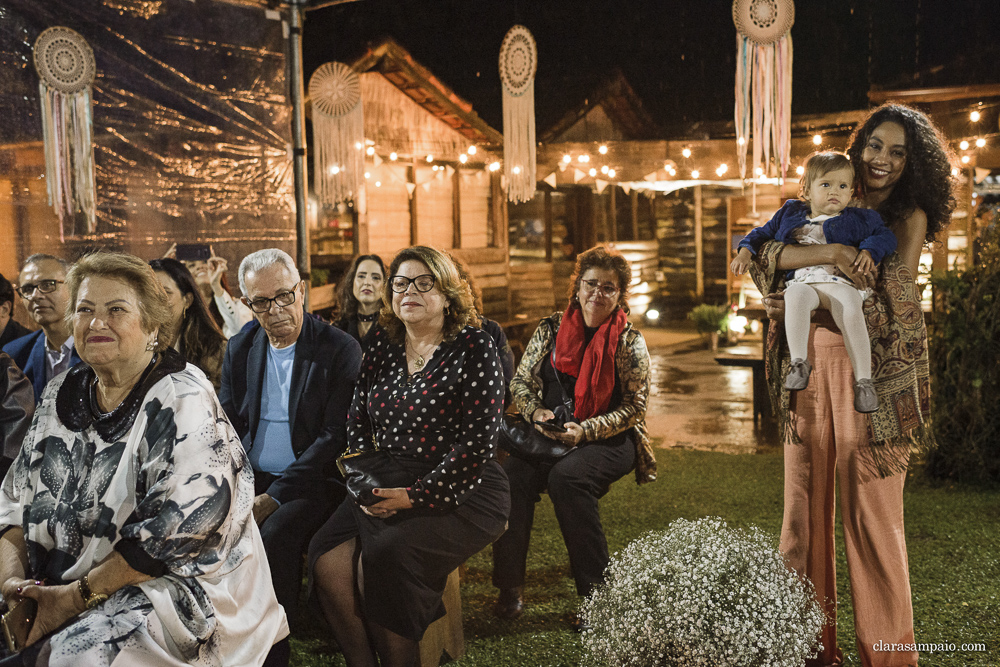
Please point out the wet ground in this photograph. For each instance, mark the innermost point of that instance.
(695, 403)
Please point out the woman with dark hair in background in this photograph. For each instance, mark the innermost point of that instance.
(592, 354)
(229, 313)
(904, 169)
(192, 330)
(360, 292)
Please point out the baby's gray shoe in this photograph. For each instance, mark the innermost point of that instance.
(798, 375)
(865, 398)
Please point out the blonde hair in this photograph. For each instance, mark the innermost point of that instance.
(154, 313)
(821, 163)
(460, 310)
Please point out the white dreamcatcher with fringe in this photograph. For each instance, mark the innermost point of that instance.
(66, 68)
(763, 83)
(518, 63)
(338, 132)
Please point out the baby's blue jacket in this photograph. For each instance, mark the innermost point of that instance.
(859, 227)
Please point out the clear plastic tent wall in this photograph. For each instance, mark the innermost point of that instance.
(191, 128)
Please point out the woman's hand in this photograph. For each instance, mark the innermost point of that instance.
(846, 259)
(171, 252)
(394, 500)
(864, 263)
(573, 435)
(56, 605)
(774, 306)
(217, 267)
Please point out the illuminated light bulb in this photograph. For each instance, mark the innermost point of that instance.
(965, 159)
(695, 173)
(334, 170)
(723, 168)
(603, 150)
(800, 170)
(759, 171)
(817, 139)
(980, 142)
(515, 171)
(612, 173)
(495, 166)
(592, 172)
(954, 171)
(370, 150)
(378, 184)
(584, 158)
(368, 174)
(687, 151)
(463, 158)
(604, 169)
(393, 156)
(964, 145)
(740, 141)
(671, 171)
(974, 116)
(567, 158)
(358, 145)
(472, 150)
(652, 314)
(430, 158)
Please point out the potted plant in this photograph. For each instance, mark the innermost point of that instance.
(710, 321)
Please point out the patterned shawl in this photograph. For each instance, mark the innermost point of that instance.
(900, 366)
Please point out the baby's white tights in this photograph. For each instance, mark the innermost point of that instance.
(844, 303)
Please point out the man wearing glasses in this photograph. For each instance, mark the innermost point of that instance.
(46, 353)
(287, 382)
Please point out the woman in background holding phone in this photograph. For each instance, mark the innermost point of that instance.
(209, 271)
(593, 354)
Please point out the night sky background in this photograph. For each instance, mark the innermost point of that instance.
(678, 56)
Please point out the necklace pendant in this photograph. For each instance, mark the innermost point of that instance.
(419, 363)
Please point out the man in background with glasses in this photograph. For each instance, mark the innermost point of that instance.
(287, 382)
(46, 353)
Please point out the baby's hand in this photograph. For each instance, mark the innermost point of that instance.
(864, 263)
(741, 263)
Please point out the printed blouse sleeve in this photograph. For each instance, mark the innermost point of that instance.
(192, 485)
(359, 421)
(480, 390)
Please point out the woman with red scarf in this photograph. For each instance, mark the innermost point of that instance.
(592, 354)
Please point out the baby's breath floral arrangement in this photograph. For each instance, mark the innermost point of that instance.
(702, 593)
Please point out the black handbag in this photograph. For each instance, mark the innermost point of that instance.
(372, 469)
(524, 441)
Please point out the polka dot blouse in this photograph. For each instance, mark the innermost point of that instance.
(446, 415)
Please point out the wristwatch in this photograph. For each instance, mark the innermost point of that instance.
(90, 598)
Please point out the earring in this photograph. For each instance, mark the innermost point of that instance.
(447, 310)
(151, 346)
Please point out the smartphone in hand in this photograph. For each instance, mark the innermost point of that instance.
(551, 426)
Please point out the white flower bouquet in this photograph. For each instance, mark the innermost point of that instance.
(702, 593)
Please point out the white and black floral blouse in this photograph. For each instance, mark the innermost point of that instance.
(445, 416)
(169, 488)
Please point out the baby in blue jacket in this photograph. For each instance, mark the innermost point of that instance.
(823, 216)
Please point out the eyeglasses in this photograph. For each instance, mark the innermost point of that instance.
(608, 291)
(43, 287)
(262, 304)
(424, 283)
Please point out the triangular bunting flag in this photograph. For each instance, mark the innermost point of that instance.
(651, 177)
(626, 188)
(410, 187)
(550, 179)
(600, 185)
(376, 160)
(577, 175)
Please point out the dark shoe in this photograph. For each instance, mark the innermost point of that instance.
(798, 375)
(578, 624)
(509, 604)
(865, 398)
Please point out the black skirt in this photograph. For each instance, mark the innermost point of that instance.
(407, 558)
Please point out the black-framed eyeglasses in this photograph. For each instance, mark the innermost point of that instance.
(424, 283)
(43, 287)
(262, 304)
(609, 291)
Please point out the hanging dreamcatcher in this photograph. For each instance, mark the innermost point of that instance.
(518, 62)
(763, 82)
(66, 66)
(338, 132)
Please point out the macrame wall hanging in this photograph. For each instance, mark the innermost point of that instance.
(66, 67)
(338, 132)
(518, 62)
(763, 83)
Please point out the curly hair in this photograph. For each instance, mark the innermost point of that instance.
(926, 181)
(154, 313)
(607, 258)
(345, 289)
(460, 310)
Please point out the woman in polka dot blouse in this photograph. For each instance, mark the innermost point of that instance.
(430, 392)
(592, 354)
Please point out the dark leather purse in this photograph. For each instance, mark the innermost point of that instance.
(524, 441)
(372, 469)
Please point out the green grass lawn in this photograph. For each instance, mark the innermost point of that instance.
(953, 540)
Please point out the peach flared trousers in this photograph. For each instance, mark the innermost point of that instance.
(832, 435)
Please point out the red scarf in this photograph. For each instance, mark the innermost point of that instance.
(592, 365)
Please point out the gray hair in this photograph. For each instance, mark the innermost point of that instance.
(40, 257)
(255, 262)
